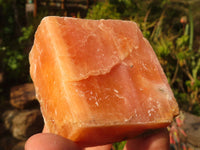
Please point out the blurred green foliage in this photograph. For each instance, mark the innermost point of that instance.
(12, 58)
(13, 61)
(100, 9)
(16, 39)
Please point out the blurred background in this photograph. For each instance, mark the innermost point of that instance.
(171, 26)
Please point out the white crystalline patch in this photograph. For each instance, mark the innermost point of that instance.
(150, 111)
(116, 91)
(128, 119)
(158, 104)
(144, 66)
(34, 70)
(141, 89)
(150, 98)
(169, 97)
(36, 91)
(107, 97)
(81, 94)
(56, 112)
(135, 113)
(122, 98)
(97, 103)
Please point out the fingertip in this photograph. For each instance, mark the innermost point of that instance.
(103, 147)
(158, 140)
(48, 141)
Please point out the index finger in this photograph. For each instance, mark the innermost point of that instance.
(156, 141)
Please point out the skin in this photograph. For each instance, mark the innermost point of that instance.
(47, 141)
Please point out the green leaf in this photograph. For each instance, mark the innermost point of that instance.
(182, 41)
(119, 145)
(27, 33)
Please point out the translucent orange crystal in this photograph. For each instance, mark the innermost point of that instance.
(98, 81)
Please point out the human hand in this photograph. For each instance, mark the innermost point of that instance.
(47, 141)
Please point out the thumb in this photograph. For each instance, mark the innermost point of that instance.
(47, 141)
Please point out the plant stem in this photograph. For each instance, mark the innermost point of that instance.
(191, 28)
(175, 73)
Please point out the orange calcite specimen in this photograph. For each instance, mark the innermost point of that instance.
(98, 81)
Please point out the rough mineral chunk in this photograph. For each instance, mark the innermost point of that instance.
(98, 81)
